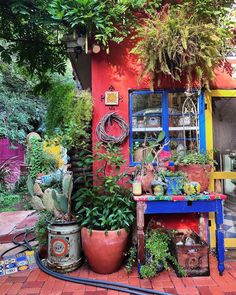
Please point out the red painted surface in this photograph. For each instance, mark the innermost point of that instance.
(7, 152)
(121, 70)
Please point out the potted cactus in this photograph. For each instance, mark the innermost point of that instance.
(63, 230)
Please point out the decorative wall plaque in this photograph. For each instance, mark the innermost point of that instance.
(111, 98)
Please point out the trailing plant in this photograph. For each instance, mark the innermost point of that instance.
(184, 41)
(108, 205)
(157, 243)
(132, 258)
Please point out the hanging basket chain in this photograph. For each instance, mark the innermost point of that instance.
(105, 121)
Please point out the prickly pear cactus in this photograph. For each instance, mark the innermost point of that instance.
(60, 201)
(67, 184)
(37, 190)
(37, 203)
(48, 200)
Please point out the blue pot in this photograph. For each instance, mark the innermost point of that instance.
(174, 185)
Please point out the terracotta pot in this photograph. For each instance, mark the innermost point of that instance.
(198, 173)
(104, 252)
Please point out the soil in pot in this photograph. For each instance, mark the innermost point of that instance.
(104, 252)
(198, 173)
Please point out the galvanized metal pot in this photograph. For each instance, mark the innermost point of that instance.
(64, 247)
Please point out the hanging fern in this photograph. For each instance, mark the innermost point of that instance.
(178, 44)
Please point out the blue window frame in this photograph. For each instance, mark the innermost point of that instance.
(153, 111)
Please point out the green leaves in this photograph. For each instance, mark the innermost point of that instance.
(188, 43)
(20, 110)
(103, 20)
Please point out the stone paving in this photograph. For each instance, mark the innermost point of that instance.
(37, 282)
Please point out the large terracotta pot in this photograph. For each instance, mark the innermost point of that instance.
(104, 252)
(198, 173)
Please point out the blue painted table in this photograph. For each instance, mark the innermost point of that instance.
(201, 203)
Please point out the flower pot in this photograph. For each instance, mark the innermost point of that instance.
(64, 250)
(174, 185)
(198, 173)
(104, 251)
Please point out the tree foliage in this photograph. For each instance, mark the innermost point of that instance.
(103, 20)
(30, 35)
(20, 110)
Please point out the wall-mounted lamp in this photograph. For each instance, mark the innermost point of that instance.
(96, 48)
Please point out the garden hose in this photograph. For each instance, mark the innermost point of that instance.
(97, 283)
(25, 243)
(125, 288)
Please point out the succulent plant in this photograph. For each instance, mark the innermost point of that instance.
(51, 200)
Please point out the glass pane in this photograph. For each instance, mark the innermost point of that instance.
(224, 139)
(224, 126)
(183, 121)
(146, 111)
(146, 120)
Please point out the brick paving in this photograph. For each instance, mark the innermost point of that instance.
(37, 282)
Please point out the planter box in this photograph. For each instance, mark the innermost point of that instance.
(193, 257)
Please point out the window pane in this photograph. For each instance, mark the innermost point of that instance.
(146, 111)
(183, 121)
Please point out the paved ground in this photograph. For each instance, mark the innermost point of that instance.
(36, 282)
(13, 223)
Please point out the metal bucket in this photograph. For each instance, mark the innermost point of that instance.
(64, 247)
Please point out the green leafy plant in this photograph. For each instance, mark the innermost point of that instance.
(20, 110)
(184, 41)
(9, 201)
(38, 160)
(69, 114)
(157, 243)
(108, 205)
(132, 258)
(103, 20)
(41, 227)
(195, 158)
(31, 37)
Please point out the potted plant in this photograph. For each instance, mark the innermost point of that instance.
(197, 167)
(158, 254)
(63, 229)
(106, 212)
(174, 181)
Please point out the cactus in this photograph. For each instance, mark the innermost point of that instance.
(60, 201)
(67, 187)
(30, 185)
(48, 200)
(51, 199)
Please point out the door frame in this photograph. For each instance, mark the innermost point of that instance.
(229, 242)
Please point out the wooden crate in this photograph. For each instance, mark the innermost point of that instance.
(193, 258)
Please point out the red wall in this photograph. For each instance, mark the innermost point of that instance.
(121, 70)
